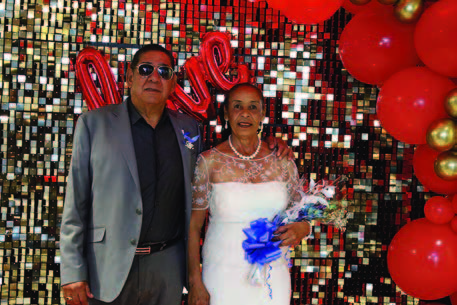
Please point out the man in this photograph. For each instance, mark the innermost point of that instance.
(128, 202)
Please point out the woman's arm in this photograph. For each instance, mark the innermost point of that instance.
(293, 233)
(196, 223)
(198, 295)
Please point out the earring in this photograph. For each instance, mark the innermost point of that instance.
(226, 124)
(259, 131)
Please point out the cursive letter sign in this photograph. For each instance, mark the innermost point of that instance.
(214, 60)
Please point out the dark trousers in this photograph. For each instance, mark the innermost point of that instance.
(155, 279)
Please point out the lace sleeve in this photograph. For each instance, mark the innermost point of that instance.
(200, 185)
(293, 182)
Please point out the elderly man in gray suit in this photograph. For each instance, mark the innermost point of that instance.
(128, 201)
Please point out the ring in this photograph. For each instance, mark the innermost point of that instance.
(69, 298)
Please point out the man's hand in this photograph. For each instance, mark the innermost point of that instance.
(282, 150)
(77, 293)
(293, 233)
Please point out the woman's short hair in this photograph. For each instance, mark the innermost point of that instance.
(243, 85)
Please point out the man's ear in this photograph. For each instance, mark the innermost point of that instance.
(129, 77)
(175, 82)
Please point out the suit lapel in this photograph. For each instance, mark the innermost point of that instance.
(185, 153)
(122, 133)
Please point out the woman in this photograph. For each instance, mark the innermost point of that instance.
(239, 181)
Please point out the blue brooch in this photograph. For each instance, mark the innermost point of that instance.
(188, 141)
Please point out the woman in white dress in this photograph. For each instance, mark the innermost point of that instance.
(239, 181)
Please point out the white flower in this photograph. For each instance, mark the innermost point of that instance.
(189, 145)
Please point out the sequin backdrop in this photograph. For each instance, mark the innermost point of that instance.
(312, 103)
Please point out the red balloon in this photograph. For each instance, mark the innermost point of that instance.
(202, 108)
(435, 37)
(422, 259)
(355, 9)
(309, 11)
(410, 101)
(438, 210)
(454, 224)
(276, 4)
(453, 200)
(199, 69)
(423, 164)
(205, 67)
(219, 43)
(453, 298)
(374, 45)
(92, 57)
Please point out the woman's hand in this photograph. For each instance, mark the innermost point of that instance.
(292, 234)
(198, 295)
(282, 149)
(197, 291)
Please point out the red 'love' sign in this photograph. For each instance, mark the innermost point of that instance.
(214, 60)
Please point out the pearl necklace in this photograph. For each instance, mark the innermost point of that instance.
(241, 156)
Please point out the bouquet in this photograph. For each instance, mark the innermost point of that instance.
(323, 202)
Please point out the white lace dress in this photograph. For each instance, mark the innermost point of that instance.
(237, 192)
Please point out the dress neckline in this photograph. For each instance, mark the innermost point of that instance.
(237, 158)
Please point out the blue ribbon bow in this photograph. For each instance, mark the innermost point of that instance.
(258, 247)
(186, 136)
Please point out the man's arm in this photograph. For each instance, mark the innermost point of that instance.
(76, 207)
(282, 150)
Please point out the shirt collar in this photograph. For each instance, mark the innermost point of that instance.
(135, 116)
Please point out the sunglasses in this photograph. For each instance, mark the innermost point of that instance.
(165, 72)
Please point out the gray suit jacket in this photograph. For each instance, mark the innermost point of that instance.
(102, 214)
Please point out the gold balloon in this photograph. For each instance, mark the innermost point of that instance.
(388, 2)
(446, 165)
(441, 135)
(360, 2)
(408, 11)
(450, 103)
